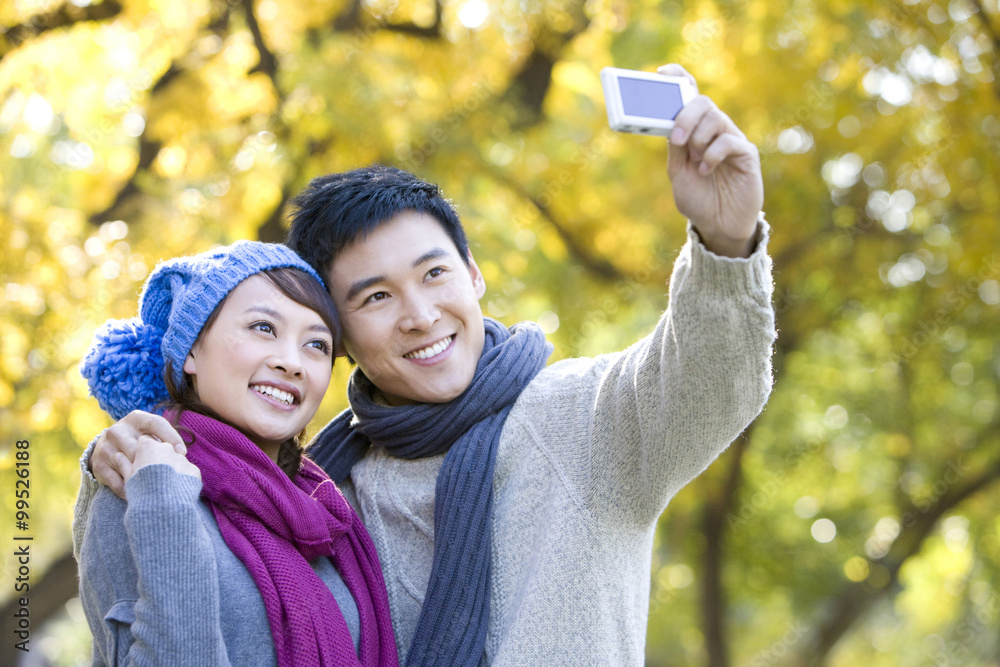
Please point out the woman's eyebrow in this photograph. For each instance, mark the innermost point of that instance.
(270, 312)
(264, 310)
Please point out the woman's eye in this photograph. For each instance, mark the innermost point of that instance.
(435, 272)
(320, 345)
(265, 327)
(377, 296)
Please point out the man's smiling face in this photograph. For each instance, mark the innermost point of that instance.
(409, 307)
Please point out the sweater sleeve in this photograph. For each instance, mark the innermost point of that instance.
(148, 577)
(670, 404)
(88, 488)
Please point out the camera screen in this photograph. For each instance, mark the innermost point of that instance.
(652, 99)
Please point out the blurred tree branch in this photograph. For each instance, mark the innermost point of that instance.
(149, 147)
(597, 265)
(432, 31)
(48, 595)
(530, 84)
(850, 606)
(351, 19)
(65, 15)
(994, 38)
(713, 525)
(148, 150)
(347, 20)
(273, 229)
(267, 62)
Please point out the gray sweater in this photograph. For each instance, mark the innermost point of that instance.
(589, 457)
(160, 586)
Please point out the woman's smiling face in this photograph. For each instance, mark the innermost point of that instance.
(264, 363)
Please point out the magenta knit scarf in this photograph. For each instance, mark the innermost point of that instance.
(275, 526)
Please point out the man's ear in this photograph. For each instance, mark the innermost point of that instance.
(478, 282)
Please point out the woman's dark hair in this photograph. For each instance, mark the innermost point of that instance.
(301, 288)
(336, 210)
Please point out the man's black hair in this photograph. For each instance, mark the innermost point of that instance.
(338, 209)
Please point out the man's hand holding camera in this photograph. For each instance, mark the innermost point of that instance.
(713, 168)
(715, 174)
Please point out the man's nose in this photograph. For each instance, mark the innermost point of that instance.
(421, 312)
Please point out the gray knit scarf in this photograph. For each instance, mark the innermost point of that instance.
(453, 621)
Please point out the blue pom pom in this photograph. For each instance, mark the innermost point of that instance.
(124, 367)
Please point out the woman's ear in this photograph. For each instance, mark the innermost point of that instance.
(189, 364)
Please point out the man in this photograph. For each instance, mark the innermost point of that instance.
(513, 506)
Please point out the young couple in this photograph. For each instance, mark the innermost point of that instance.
(511, 505)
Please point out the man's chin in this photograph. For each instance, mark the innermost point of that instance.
(426, 395)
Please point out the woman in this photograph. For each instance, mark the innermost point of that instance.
(244, 552)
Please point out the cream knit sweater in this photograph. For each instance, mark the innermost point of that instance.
(590, 455)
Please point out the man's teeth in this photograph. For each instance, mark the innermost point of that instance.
(283, 396)
(432, 351)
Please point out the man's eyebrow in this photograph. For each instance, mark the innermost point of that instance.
(433, 253)
(363, 284)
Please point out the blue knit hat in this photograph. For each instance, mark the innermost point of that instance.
(125, 365)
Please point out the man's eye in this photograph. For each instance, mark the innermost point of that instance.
(377, 296)
(435, 272)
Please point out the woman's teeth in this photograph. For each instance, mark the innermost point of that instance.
(432, 351)
(282, 396)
